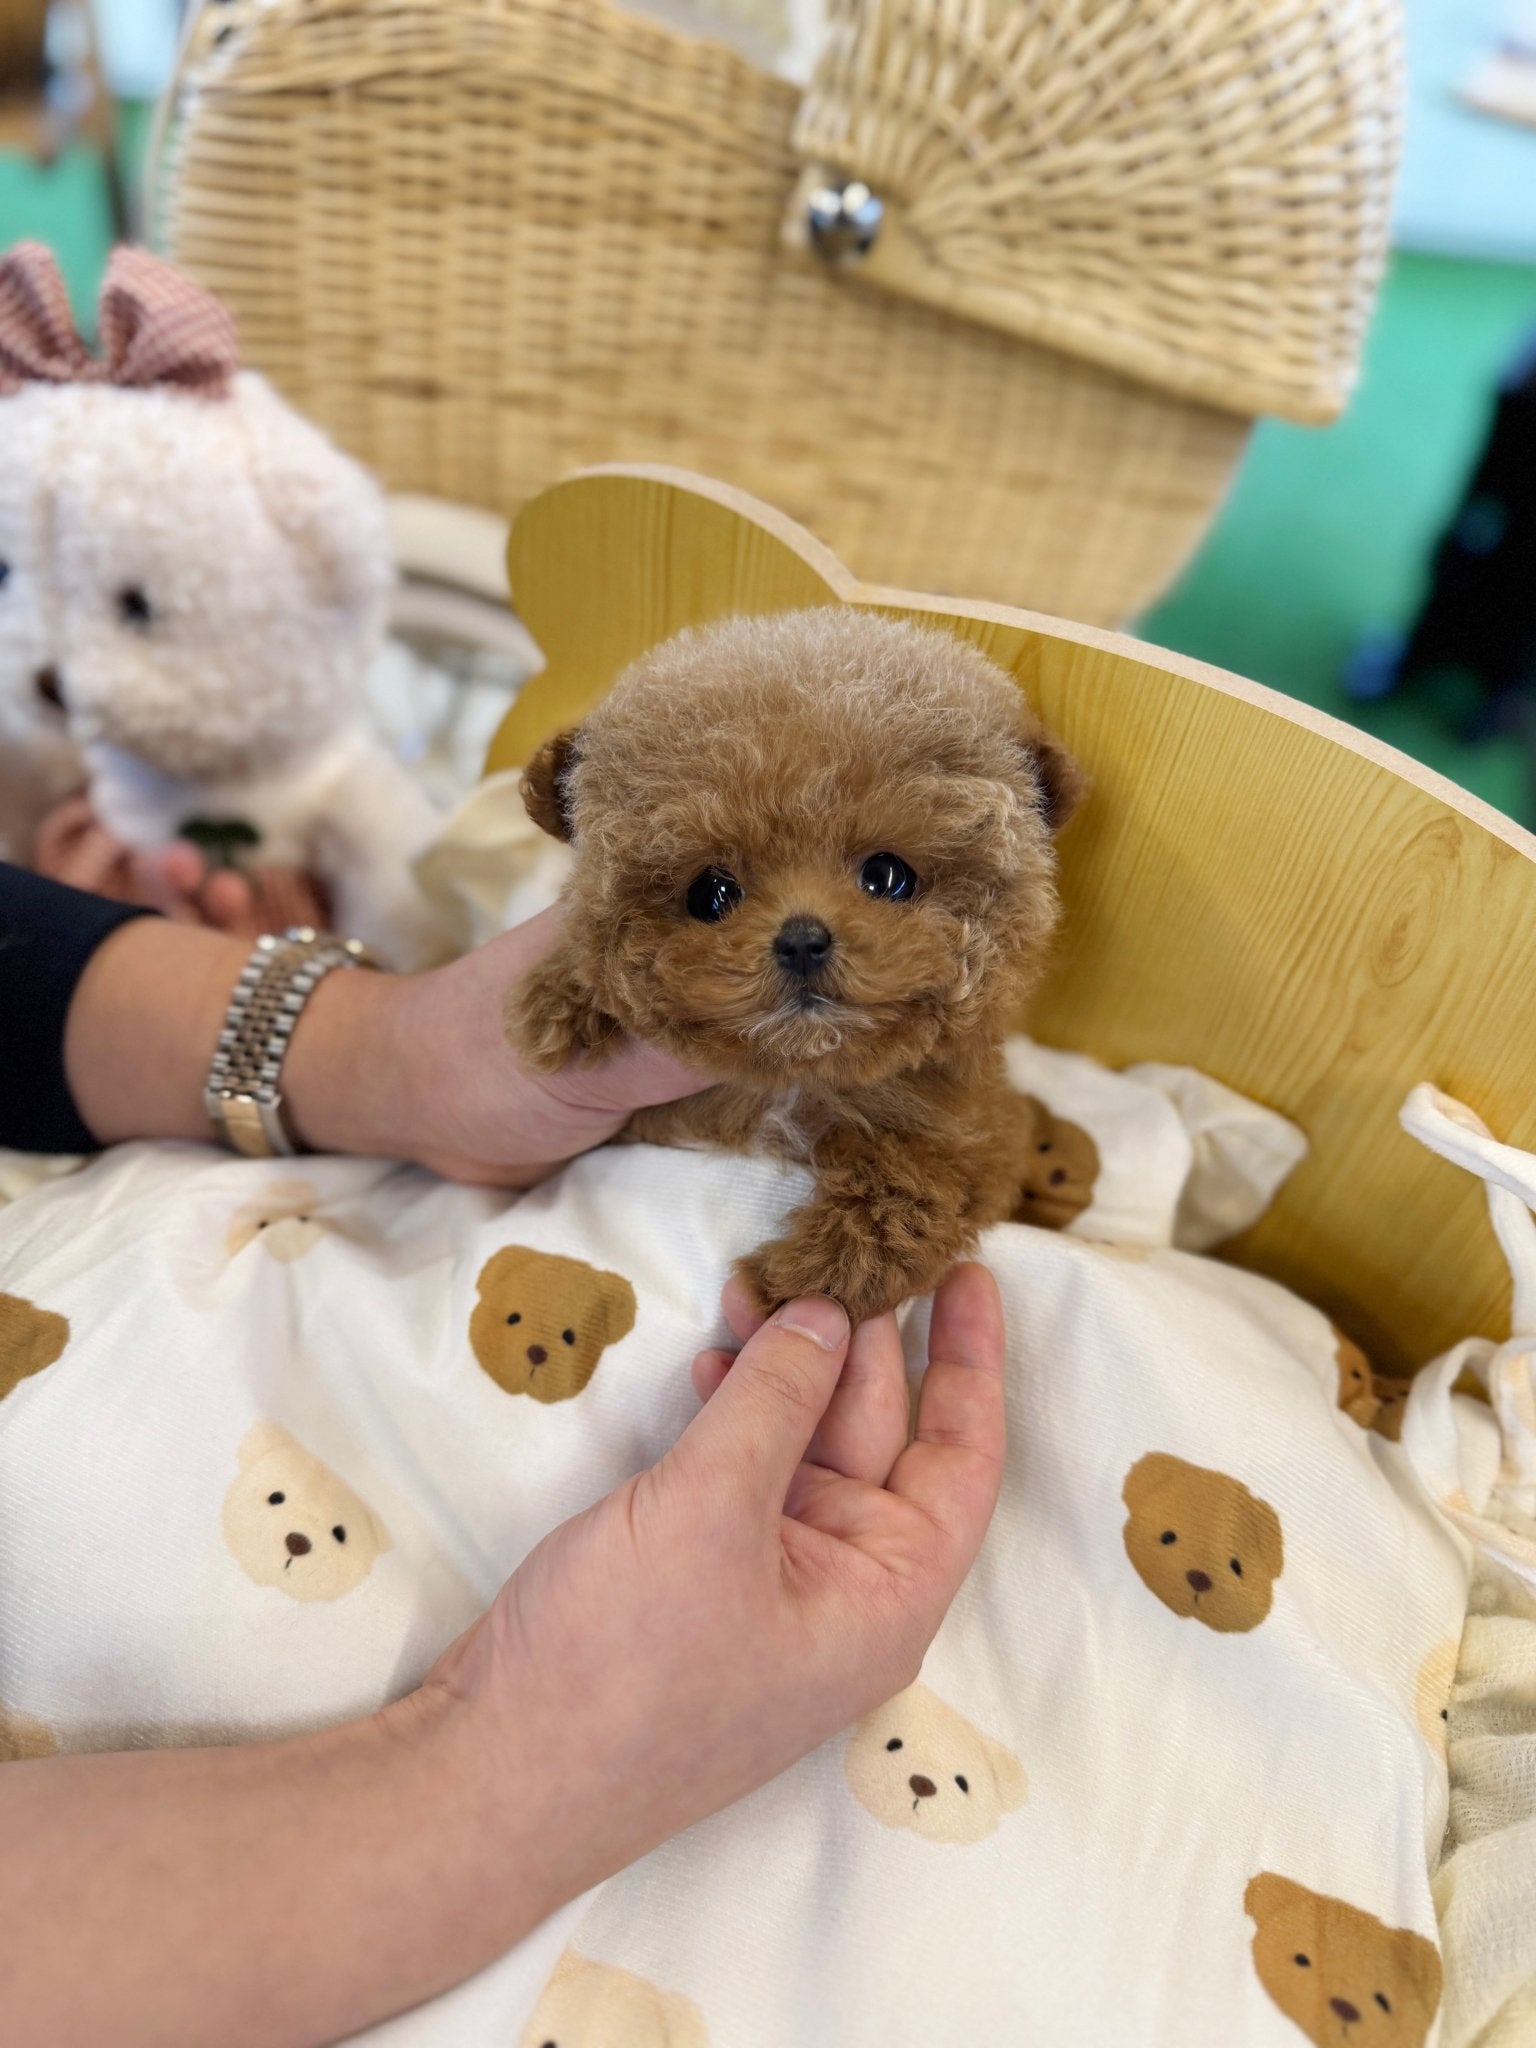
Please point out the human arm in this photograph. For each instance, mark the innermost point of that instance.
(778, 1573)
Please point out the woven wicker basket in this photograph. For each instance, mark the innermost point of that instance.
(489, 241)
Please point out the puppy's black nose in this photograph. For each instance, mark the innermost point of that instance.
(297, 1544)
(48, 687)
(1199, 1581)
(802, 946)
(1346, 2012)
(923, 1787)
(537, 1354)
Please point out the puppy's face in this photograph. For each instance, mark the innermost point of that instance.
(811, 845)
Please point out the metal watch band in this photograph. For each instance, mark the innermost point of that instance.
(242, 1096)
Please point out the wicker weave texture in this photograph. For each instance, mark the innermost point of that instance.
(1194, 191)
(487, 242)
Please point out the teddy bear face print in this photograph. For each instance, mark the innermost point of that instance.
(596, 2005)
(293, 1523)
(1207, 1547)
(282, 1220)
(30, 1339)
(917, 1763)
(542, 1322)
(1357, 1397)
(1061, 1164)
(1343, 1976)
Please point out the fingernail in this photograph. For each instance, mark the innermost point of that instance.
(815, 1316)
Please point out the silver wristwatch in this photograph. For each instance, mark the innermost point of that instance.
(242, 1096)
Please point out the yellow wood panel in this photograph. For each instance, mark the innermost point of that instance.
(1252, 888)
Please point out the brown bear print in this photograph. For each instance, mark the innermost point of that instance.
(596, 2005)
(1061, 1164)
(1391, 1405)
(30, 1338)
(23, 1736)
(293, 1523)
(282, 1220)
(1357, 1396)
(1205, 1545)
(542, 1322)
(1432, 1693)
(916, 1763)
(1341, 1975)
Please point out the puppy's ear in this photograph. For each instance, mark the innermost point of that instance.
(546, 783)
(1062, 783)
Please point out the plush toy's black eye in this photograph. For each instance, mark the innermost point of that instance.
(1305, 1961)
(567, 1336)
(339, 1533)
(515, 1317)
(713, 895)
(1236, 1566)
(1382, 2003)
(133, 607)
(275, 1500)
(894, 1743)
(962, 1784)
(1168, 1536)
(5, 574)
(884, 875)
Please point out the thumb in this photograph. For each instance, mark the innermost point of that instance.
(634, 1078)
(760, 1422)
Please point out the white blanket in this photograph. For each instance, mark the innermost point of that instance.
(271, 1439)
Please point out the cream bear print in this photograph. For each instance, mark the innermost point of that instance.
(1432, 1695)
(596, 2005)
(282, 1220)
(917, 1763)
(293, 1523)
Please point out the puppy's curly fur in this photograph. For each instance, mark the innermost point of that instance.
(784, 754)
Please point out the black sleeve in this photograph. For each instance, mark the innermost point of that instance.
(47, 934)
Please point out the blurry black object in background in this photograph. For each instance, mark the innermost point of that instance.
(1472, 649)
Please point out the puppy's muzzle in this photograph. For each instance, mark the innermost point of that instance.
(802, 947)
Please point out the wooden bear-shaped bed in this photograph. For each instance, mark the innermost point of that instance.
(1252, 888)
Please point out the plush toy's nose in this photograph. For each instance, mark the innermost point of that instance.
(923, 1787)
(537, 1354)
(48, 686)
(297, 1544)
(802, 945)
(1347, 2013)
(1199, 1581)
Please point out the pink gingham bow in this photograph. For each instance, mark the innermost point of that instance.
(157, 327)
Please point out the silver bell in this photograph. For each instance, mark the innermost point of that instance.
(844, 220)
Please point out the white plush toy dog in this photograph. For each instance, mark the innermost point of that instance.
(192, 583)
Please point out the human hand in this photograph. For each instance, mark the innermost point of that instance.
(73, 846)
(419, 1068)
(781, 1571)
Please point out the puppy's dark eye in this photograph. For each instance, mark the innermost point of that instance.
(713, 895)
(1382, 2002)
(567, 1336)
(962, 1784)
(1168, 1536)
(1236, 1566)
(894, 1743)
(275, 1500)
(883, 874)
(133, 607)
(339, 1533)
(515, 1317)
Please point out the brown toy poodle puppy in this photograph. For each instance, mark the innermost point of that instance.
(813, 858)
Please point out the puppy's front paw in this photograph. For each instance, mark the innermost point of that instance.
(552, 1019)
(786, 1268)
